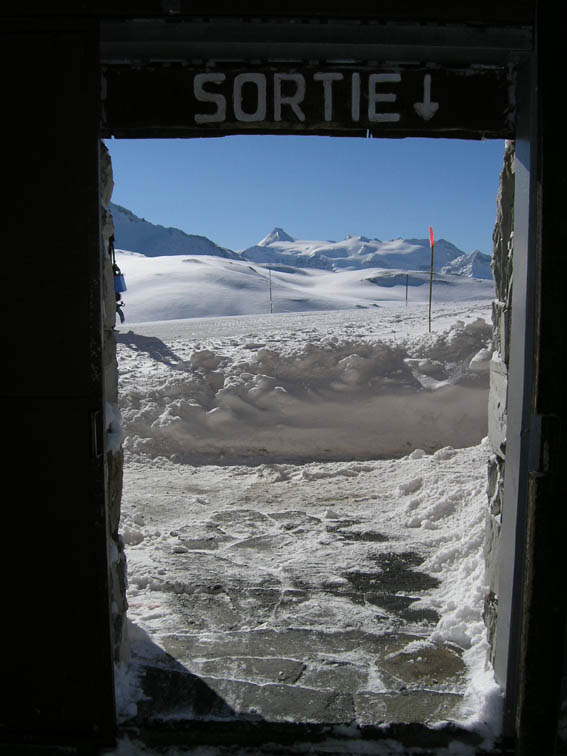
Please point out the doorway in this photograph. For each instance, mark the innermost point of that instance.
(387, 586)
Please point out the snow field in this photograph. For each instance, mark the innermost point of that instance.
(177, 286)
(255, 456)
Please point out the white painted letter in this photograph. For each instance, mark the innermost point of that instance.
(202, 95)
(355, 101)
(426, 109)
(374, 97)
(328, 79)
(259, 80)
(292, 101)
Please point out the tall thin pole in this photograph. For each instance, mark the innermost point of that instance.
(431, 242)
(270, 281)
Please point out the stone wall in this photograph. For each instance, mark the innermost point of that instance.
(501, 314)
(114, 455)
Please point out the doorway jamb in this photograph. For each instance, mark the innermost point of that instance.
(521, 431)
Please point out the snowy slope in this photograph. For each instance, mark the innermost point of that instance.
(166, 288)
(150, 239)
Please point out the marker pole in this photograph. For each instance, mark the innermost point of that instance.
(432, 244)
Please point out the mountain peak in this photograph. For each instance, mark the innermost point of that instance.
(153, 240)
(277, 235)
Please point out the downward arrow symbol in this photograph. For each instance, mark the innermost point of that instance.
(426, 109)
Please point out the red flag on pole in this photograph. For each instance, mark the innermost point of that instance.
(430, 275)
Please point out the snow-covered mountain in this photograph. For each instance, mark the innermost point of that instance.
(475, 265)
(172, 275)
(277, 235)
(280, 248)
(139, 235)
(357, 252)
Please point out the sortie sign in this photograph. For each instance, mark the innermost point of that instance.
(258, 97)
(270, 99)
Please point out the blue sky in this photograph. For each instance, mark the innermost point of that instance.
(234, 190)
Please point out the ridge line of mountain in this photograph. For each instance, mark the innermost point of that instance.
(280, 248)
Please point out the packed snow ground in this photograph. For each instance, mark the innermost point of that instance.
(269, 448)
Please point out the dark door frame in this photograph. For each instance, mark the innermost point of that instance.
(531, 630)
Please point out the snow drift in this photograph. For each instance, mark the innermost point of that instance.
(315, 392)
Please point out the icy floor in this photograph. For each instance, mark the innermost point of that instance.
(340, 590)
(223, 559)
